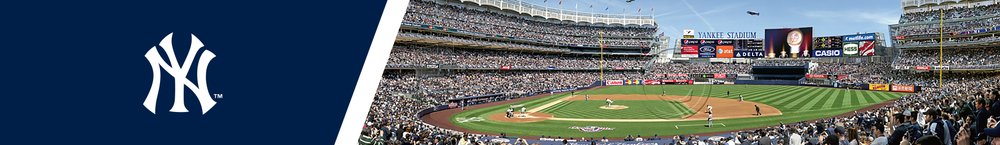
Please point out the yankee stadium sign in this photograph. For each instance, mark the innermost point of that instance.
(727, 34)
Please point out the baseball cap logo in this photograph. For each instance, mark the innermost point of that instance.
(179, 73)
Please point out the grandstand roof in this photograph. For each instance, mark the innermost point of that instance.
(522, 7)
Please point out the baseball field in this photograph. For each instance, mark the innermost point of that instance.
(647, 110)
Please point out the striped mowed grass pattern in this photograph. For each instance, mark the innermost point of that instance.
(638, 109)
(797, 103)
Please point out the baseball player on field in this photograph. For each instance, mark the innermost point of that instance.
(586, 97)
(710, 119)
(609, 102)
(741, 98)
(709, 109)
(510, 112)
(522, 112)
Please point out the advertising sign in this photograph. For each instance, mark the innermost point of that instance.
(816, 76)
(720, 75)
(828, 53)
(851, 48)
(689, 50)
(788, 42)
(841, 77)
(867, 48)
(902, 88)
(706, 51)
(628, 82)
(505, 67)
(862, 37)
(615, 82)
(651, 82)
(878, 87)
(724, 51)
(923, 67)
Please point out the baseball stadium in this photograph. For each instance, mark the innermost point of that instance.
(523, 72)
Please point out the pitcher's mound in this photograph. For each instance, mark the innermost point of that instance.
(613, 107)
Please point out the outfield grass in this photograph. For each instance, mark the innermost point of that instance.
(795, 102)
(638, 109)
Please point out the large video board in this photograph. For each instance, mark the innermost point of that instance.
(788, 42)
(721, 48)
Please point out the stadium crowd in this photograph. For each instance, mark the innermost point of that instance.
(480, 42)
(952, 57)
(684, 68)
(950, 41)
(953, 13)
(864, 68)
(455, 17)
(951, 27)
(410, 55)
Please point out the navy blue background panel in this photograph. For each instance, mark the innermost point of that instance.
(75, 72)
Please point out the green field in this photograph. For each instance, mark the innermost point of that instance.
(795, 102)
(638, 109)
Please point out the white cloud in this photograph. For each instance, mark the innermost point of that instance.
(885, 17)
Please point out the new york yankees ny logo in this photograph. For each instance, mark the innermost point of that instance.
(179, 72)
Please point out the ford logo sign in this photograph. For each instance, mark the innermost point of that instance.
(707, 49)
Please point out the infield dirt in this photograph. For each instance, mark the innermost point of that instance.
(722, 108)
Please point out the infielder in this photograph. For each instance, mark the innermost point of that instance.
(758, 109)
(741, 98)
(522, 112)
(709, 119)
(664, 93)
(710, 110)
(609, 102)
(586, 97)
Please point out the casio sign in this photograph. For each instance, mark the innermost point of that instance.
(827, 53)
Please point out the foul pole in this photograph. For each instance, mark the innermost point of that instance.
(941, 53)
(601, 42)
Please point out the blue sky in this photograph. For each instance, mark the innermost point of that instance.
(828, 18)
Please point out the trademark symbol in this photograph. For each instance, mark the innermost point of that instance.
(217, 96)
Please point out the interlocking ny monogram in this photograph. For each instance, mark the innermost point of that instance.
(180, 75)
